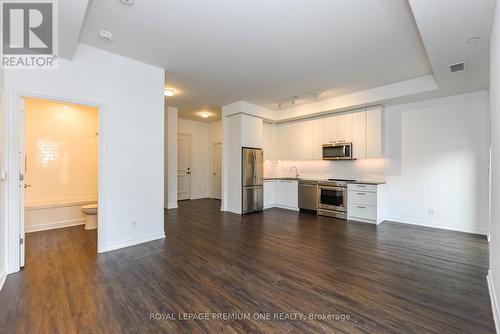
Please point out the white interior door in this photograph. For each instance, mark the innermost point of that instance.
(183, 167)
(22, 185)
(217, 171)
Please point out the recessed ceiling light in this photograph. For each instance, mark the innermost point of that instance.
(127, 2)
(106, 35)
(169, 92)
(204, 114)
(473, 40)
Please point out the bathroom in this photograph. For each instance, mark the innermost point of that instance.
(60, 165)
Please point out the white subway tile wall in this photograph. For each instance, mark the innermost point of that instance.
(61, 143)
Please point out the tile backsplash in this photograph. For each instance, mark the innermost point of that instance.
(364, 169)
(61, 143)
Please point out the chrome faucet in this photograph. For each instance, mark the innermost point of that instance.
(296, 171)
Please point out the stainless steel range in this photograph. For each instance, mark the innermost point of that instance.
(332, 198)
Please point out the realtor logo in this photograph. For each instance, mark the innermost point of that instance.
(29, 34)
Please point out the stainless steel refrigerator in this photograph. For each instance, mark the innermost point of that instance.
(252, 179)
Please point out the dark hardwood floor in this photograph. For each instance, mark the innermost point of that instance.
(392, 278)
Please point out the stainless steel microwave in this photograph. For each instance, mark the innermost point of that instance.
(337, 151)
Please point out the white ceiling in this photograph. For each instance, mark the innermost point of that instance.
(194, 114)
(71, 15)
(220, 51)
(445, 26)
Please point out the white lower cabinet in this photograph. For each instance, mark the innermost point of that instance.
(282, 194)
(366, 202)
(269, 193)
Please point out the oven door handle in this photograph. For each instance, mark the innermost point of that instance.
(331, 188)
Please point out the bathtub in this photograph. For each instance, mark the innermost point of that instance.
(48, 216)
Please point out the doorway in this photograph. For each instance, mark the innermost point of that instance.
(58, 166)
(183, 167)
(217, 171)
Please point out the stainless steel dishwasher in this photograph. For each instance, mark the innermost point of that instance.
(308, 195)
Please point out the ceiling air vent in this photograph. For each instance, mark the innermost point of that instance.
(459, 67)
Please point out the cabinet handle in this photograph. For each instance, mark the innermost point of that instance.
(360, 207)
(360, 186)
(361, 194)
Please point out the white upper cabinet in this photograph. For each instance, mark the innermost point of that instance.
(329, 129)
(252, 130)
(269, 141)
(359, 135)
(344, 128)
(374, 133)
(295, 141)
(303, 140)
(337, 129)
(317, 139)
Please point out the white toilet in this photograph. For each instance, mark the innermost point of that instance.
(91, 213)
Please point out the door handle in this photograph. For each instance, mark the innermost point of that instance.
(27, 186)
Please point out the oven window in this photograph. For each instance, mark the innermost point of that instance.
(332, 197)
(333, 152)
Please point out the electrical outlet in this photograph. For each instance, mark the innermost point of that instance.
(431, 212)
(134, 223)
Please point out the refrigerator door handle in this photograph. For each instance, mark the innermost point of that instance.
(254, 168)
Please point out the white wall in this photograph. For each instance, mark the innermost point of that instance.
(437, 157)
(215, 137)
(130, 94)
(165, 154)
(171, 168)
(3, 187)
(494, 274)
(231, 163)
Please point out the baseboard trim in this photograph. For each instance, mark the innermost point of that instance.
(437, 225)
(54, 225)
(132, 242)
(3, 277)
(198, 197)
(172, 206)
(494, 303)
(285, 207)
(362, 220)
